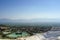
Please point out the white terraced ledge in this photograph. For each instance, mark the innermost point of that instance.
(50, 35)
(35, 37)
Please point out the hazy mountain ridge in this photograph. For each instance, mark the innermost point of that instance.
(31, 20)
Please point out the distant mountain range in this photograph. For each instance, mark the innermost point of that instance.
(31, 20)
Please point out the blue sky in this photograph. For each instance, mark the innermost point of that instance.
(30, 9)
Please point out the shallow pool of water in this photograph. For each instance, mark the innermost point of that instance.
(14, 35)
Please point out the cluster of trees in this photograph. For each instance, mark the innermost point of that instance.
(4, 25)
(32, 29)
(29, 29)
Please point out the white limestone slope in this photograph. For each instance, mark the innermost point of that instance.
(50, 35)
(34, 37)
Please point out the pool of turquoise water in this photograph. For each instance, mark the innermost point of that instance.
(14, 35)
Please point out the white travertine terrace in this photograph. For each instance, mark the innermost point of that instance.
(50, 35)
(35, 37)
